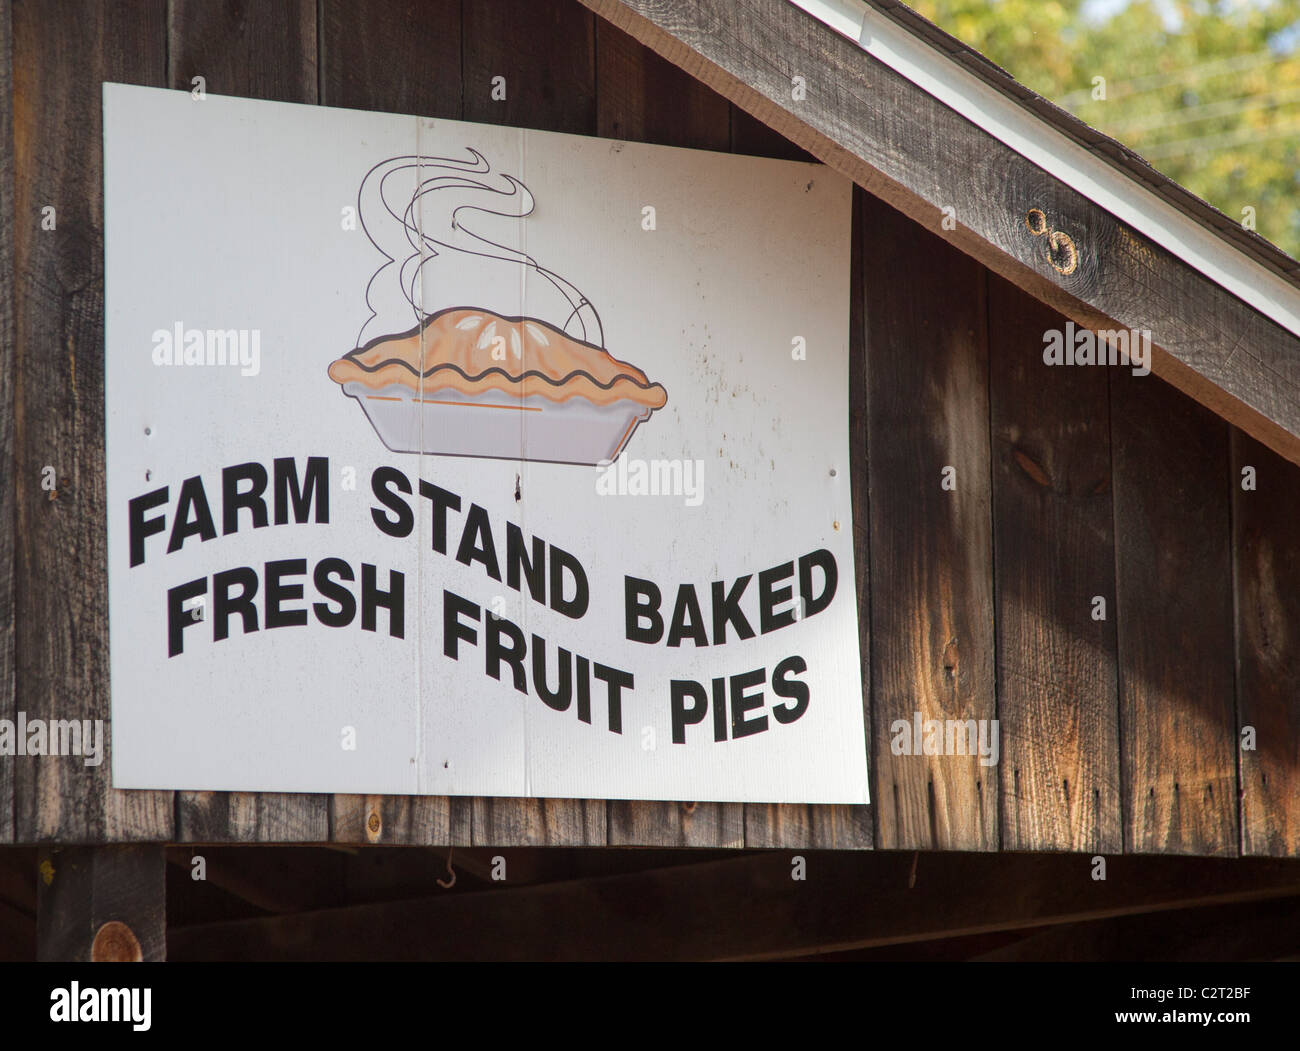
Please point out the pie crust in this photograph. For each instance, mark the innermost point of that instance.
(574, 402)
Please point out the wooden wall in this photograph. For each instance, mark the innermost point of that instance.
(1073, 483)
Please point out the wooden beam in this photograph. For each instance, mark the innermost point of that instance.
(62, 54)
(279, 880)
(17, 934)
(1219, 934)
(864, 119)
(102, 903)
(17, 904)
(746, 908)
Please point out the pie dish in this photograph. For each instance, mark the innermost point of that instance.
(470, 382)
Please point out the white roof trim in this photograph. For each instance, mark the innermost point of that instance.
(1056, 153)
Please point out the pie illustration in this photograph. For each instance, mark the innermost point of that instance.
(470, 382)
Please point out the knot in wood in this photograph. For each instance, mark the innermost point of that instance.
(1062, 253)
(1036, 222)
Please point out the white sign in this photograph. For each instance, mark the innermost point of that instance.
(464, 460)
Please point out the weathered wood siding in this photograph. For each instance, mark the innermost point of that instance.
(976, 602)
(1054, 555)
(61, 55)
(930, 532)
(8, 366)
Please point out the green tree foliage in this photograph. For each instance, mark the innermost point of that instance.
(1207, 92)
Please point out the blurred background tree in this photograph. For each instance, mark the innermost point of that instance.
(1207, 91)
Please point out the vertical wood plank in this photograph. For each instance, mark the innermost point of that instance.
(640, 97)
(8, 369)
(662, 824)
(261, 49)
(545, 49)
(391, 819)
(216, 817)
(1267, 557)
(1174, 609)
(62, 54)
(460, 821)
(256, 49)
(1053, 552)
(931, 567)
(102, 904)
(751, 136)
(394, 56)
(502, 822)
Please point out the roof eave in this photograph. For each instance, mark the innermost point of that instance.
(923, 132)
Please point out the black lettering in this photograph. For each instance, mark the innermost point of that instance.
(277, 593)
(742, 702)
(476, 542)
(576, 606)
(383, 483)
(179, 618)
(453, 606)
(688, 621)
(224, 606)
(584, 689)
(563, 694)
(142, 528)
(679, 692)
(325, 569)
(726, 608)
(253, 499)
(519, 565)
(641, 601)
(393, 600)
(440, 500)
(826, 561)
(494, 653)
(784, 686)
(719, 709)
(192, 501)
(315, 489)
(770, 596)
(617, 682)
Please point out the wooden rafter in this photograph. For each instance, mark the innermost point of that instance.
(746, 908)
